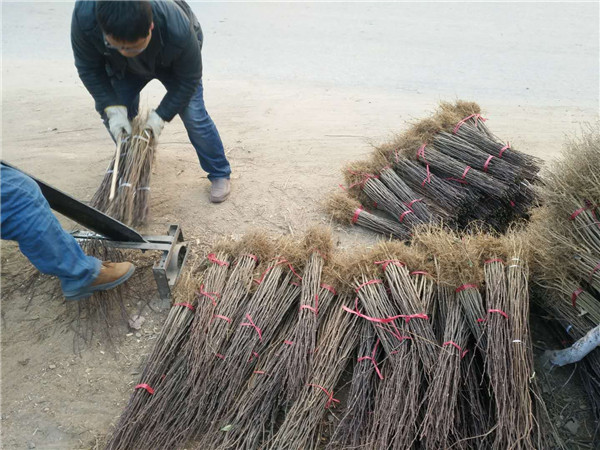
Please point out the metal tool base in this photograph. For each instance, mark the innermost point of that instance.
(168, 268)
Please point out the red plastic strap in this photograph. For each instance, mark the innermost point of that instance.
(420, 272)
(357, 213)
(512, 204)
(250, 255)
(465, 172)
(487, 163)
(577, 212)
(427, 176)
(407, 317)
(146, 387)
(365, 177)
(403, 215)
(421, 152)
(329, 288)
(260, 372)
(498, 311)
(213, 258)
(219, 316)
(288, 342)
(461, 179)
(574, 296)
(343, 187)
(252, 356)
(503, 149)
(397, 336)
(314, 309)
(499, 260)
(466, 286)
(268, 269)
(187, 305)
(460, 124)
(218, 355)
(210, 295)
(293, 271)
(367, 283)
(455, 345)
(372, 359)
(251, 323)
(386, 262)
(412, 202)
(593, 211)
(329, 395)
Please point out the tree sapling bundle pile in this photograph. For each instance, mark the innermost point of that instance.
(565, 239)
(264, 363)
(447, 167)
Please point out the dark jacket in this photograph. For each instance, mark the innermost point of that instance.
(173, 51)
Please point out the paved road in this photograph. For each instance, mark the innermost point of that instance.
(536, 53)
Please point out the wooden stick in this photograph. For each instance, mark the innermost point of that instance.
(113, 184)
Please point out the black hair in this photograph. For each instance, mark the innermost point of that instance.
(125, 21)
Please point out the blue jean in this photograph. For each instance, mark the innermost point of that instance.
(27, 218)
(202, 131)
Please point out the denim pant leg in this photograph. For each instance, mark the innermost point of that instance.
(128, 90)
(203, 134)
(27, 218)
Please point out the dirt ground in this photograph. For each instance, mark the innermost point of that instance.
(296, 90)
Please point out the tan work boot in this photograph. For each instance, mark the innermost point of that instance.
(219, 190)
(111, 275)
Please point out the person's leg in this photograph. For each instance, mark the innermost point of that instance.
(128, 90)
(203, 135)
(27, 218)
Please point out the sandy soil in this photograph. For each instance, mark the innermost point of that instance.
(296, 90)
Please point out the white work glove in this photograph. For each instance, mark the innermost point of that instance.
(154, 124)
(118, 123)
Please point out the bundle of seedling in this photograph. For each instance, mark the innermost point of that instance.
(565, 238)
(124, 193)
(292, 345)
(449, 167)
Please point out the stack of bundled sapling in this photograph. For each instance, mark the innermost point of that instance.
(351, 432)
(387, 297)
(348, 210)
(565, 237)
(276, 296)
(489, 313)
(448, 167)
(282, 377)
(434, 336)
(197, 394)
(217, 296)
(174, 335)
(131, 201)
(337, 340)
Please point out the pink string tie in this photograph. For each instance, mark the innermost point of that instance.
(251, 323)
(372, 359)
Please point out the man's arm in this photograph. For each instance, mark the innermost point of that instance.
(90, 65)
(187, 73)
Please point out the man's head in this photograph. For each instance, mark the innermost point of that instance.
(127, 25)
